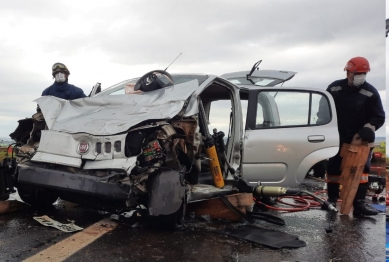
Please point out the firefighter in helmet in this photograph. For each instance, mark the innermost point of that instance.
(61, 88)
(359, 110)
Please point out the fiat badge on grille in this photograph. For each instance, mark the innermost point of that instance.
(82, 147)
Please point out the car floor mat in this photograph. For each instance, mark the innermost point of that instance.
(267, 237)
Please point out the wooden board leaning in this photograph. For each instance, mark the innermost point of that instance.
(354, 159)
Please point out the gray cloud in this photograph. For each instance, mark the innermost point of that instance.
(314, 38)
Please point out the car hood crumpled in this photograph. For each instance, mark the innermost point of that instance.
(113, 114)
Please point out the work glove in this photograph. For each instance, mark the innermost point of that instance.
(367, 134)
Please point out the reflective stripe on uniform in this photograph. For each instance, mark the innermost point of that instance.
(364, 178)
(336, 88)
(336, 179)
(365, 92)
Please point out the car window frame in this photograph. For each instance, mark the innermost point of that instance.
(252, 108)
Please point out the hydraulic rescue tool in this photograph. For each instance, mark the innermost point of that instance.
(218, 138)
(275, 191)
(210, 149)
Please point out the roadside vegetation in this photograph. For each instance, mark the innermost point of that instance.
(381, 149)
(3, 153)
(3, 148)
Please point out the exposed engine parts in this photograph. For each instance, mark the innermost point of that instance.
(152, 152)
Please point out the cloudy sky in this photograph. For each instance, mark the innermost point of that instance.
(110, 41)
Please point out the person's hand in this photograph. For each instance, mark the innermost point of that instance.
(367, 134)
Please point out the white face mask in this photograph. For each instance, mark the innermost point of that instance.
(359, 79)
(60, 77)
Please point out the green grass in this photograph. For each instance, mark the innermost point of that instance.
(2, 155)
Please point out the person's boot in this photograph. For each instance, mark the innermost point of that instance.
(360, 206)
(333, 193)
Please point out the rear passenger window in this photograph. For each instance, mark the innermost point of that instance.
(291, 108)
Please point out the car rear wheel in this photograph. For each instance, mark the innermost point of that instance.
(35, 197)
(319, 169)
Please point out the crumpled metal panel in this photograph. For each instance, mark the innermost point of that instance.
(61, 148)
(76, 184)
(106, 115)
(60, 143)
(56, 159)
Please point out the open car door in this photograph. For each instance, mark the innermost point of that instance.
(287, 131)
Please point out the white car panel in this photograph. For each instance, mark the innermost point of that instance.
(108, 115)
(273, 158)
(65, 144)
(311, 159)
(56, 159)
(260, 77)
(265, 172)
(121, 163)
(279, 149)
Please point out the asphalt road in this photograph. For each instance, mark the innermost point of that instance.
(102, 239)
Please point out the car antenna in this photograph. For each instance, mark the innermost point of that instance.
(255, 66)
(172, 62)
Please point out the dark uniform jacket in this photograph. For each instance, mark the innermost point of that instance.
(64, 90)
(355, 107)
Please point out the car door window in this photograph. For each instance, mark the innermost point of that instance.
(290, 108)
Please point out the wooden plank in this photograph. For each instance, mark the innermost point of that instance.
(216, 209)
(354, 159)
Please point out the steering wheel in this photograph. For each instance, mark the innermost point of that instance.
(150, 81)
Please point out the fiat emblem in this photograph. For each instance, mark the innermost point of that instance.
(82, 147)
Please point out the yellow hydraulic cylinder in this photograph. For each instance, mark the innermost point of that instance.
(214, 165)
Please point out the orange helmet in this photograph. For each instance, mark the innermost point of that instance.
(358, 65)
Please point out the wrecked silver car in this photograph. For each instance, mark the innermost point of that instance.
(130, 145)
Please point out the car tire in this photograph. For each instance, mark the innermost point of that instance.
(319, 169)
(36, 198)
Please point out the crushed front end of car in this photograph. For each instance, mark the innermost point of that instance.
(111, 152)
